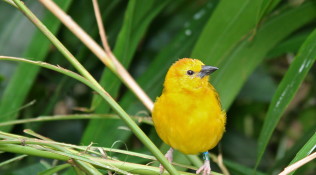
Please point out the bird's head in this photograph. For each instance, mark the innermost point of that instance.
(188, 74)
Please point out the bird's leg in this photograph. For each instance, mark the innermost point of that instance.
(169, 156)
(206, 167)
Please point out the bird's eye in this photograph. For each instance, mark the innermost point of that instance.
(190, 72)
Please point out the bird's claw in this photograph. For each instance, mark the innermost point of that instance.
(169, 156)
(205, 168)
(161, 168)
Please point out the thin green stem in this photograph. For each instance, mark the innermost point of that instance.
(141, 135)
(55, 169)
(114, 165)
(12, 160)
(25, 140)
(106, 57)
(88, 168)
(84, 149)
(11, 3)
(31, 151)
(145, 120)
(84, 154)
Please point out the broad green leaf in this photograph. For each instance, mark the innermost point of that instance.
(307, 149)
(286, 90)
(231, 22)
(138, 16)
(233, 73)
(19, 86)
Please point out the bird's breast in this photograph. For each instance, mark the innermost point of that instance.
(189, 122)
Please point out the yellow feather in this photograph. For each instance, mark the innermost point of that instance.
(188, 115)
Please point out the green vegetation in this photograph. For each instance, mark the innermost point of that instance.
(68, 106)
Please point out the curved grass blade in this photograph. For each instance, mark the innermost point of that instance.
(286, 91)
(136, 130)
(14, 95)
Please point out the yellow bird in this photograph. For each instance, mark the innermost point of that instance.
(188, 115)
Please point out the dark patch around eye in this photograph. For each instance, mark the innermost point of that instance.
(190, 72)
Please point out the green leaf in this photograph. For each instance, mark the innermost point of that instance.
(290, 45)
(250, 53)
(286, 90)
(19, 86)
(267, 6)
(230, 23)
(55, 169)
(307, 149)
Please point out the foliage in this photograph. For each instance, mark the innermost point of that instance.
(265, 51)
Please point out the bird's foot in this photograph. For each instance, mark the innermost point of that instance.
(169, 156)
(205, 169)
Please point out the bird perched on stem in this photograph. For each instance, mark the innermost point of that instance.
(188, 115)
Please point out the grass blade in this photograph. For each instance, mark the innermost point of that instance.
(17, 158)
(38, 49)
(55, 169)
(230, 23)
(146, 120)
(252, 52)
(290, 45)
(307, 149)
(286, 91)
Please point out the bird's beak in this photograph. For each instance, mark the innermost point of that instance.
(206, 70)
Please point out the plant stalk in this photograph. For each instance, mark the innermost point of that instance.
(96, 86)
